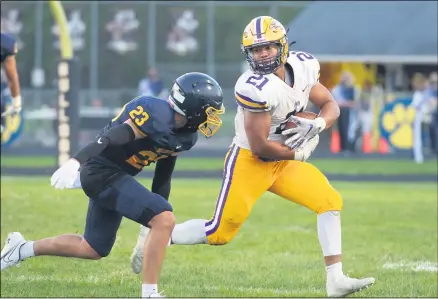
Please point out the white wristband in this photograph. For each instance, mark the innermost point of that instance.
(299, 156)
(321, 122)
(16, 101)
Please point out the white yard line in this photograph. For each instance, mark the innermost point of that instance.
(421, 266)
(91, 279)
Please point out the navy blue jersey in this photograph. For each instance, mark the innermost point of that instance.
(155, 119)
(8, 46)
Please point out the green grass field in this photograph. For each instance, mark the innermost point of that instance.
(336, 166)
(276, 254)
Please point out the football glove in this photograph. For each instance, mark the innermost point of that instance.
(14, 108)
(306, 129)
(303, 152)
(65, 176)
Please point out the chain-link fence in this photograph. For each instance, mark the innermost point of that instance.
(118, 42)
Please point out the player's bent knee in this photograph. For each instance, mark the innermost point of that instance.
(94, 253)
(226, 231)
(217, 239)
(164, 220)
(156, 207)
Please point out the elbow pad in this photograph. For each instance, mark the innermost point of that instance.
(116, 136)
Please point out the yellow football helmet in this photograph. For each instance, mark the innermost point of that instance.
(261, 31)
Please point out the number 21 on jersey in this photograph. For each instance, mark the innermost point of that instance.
(258, 81)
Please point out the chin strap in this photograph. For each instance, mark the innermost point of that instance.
(294, 42)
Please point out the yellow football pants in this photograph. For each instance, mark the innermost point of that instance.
(246, 178)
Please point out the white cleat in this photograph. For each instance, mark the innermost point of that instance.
(10, 255)
(345, 285)
(137, 254)
(156, 295)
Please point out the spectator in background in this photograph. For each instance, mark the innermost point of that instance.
(419, 101)
(365, 114)
(151, 85)
(5, 93)
(344, 94)
(433, 106)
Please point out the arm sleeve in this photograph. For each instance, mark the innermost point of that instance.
(115, 136)
(163, 176)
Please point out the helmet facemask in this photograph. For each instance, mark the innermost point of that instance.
(206, 119)
(213, 121)
(267, 65)
(261, 32)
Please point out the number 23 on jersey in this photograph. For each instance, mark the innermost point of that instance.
(139, 115)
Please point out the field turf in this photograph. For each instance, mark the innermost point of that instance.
(333, 166)
(389, 232)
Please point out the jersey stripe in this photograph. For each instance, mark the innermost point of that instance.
(212, 225)
(247, 102)
(259, 27)
(250, 108)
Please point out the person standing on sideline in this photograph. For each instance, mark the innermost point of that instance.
(344, 94)
(419, 99)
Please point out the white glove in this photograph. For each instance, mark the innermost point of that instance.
(305, 130)
(15, 108)
(303, 153)
(66, 175)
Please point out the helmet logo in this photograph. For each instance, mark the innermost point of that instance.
(275, 26)
(177, 94)
(259, 40)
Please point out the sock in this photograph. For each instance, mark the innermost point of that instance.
(26, 250)
(334, 270)
(148, 289)
(329, 232)
(189, 233)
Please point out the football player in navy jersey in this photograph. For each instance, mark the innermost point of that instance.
(147, 130)
(7, 55)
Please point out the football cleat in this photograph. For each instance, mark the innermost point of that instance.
(137, 254)
(344, 285)
(10, 255)
(156, 295)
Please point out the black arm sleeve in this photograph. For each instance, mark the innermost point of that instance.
(163, 175)
(117, 136)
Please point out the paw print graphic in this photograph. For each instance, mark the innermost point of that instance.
(396, 124)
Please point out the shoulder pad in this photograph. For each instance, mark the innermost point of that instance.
(150, 115)
(248, 92)
(307, 64)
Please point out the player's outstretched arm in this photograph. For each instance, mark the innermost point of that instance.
(116, 136)
(10, 67)
(163, 176)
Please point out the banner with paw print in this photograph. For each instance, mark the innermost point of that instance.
(396, 123)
